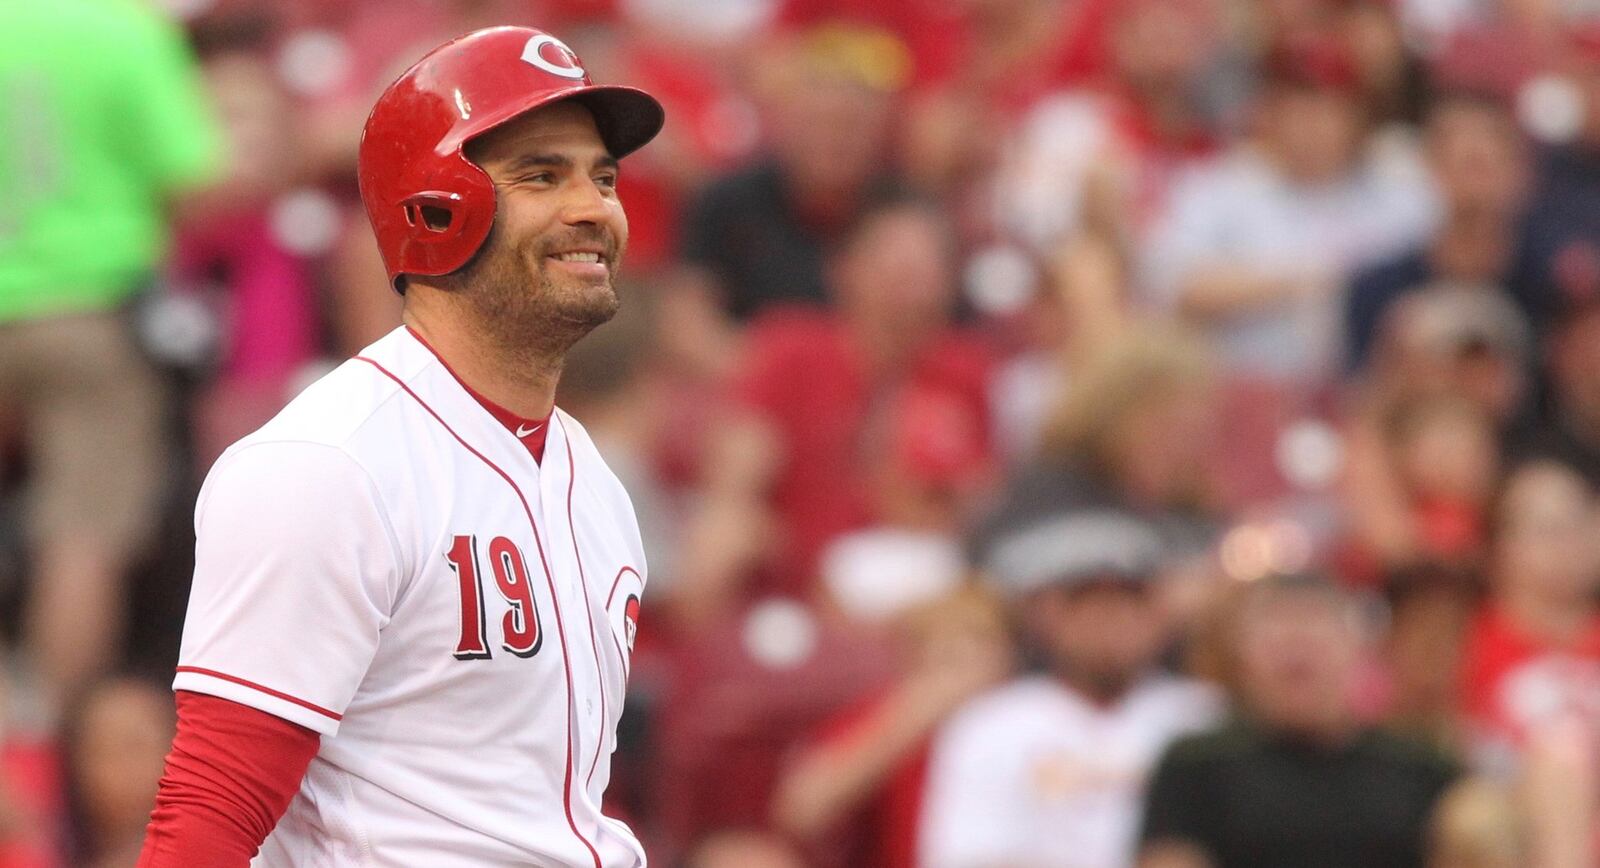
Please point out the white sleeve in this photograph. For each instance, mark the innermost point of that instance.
(295, 574)
(971, 811)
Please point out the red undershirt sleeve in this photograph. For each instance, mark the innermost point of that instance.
(229, 777)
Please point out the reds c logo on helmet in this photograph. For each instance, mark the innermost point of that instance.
(567, 67)
(431, 208)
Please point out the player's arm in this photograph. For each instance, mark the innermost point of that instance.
(228, 779)
(296, 570)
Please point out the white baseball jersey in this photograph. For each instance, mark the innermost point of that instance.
(385, 563)
(1033, 775)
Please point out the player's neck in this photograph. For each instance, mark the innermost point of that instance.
(521, 383)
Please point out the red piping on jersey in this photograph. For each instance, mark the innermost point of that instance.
(555, 601)
(588, 608)
(512, 422)
(267, 690)
(617, 583)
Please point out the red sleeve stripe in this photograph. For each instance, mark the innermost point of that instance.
(267, 690)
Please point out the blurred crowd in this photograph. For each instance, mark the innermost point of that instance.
(1080, 433)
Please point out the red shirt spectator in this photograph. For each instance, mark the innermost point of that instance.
(885, 830)
(1533, 657)
(809, 378)
(1514, 679)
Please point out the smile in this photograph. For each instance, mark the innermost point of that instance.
(576, 256)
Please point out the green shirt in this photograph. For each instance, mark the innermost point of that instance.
(103, 116)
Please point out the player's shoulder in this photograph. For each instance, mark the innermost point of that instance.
(345, 421)
(354, 395)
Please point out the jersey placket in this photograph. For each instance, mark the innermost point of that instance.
(555, 478)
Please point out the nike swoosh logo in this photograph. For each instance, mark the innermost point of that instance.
(523, 433)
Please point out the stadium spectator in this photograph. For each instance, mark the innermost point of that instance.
(1439, 346)
(1533, 653)
(1299, 779)
(1480, 163)
(809, 449)
(854, 793)
(1438, 468)
(761, 236)
(1256, 247)
(1046, 770)
(1102, 158)
(1132, 432)
(104, 123)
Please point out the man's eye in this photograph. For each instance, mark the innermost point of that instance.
(607, 181)
(538, 178)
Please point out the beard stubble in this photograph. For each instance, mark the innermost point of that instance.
(538, 315)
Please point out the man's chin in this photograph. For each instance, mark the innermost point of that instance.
(590, 307)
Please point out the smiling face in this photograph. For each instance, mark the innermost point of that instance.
(544, 277)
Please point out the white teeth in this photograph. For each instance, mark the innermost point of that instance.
(578, 257)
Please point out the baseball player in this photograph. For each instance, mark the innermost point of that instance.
(417, 588)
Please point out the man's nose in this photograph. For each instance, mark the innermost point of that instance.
(585, 202)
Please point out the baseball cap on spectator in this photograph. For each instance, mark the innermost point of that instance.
(1074, 549)
(1459, 319)
(874, 575)
(873, 58)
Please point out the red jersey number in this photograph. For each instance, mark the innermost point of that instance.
(520, 626)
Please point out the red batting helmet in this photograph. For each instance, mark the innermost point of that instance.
(411, 155)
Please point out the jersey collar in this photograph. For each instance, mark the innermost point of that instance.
(531, 433)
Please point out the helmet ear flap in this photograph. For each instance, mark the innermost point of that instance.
(446, 222)
(432, 211)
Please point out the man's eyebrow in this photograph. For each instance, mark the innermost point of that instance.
(556, 161)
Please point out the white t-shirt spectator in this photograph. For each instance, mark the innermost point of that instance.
(1034, 775)
(1241, 213)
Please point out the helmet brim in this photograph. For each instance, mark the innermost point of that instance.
(628, 118)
